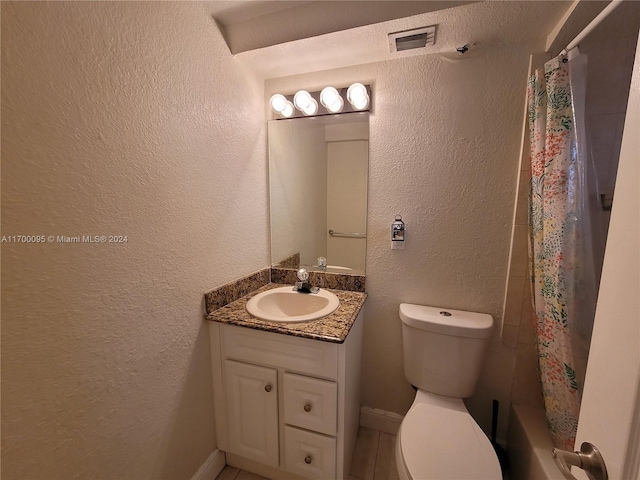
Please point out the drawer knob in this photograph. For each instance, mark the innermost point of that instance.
(267, 387)
(307, 459)
(307, 407)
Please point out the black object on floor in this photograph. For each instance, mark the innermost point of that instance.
(500, 452)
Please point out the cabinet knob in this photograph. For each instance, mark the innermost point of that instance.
(307, 407)
(267, 387)
(307, 459)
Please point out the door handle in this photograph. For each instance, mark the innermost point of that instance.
(588, 459)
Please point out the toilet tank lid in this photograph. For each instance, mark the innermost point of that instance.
(447, 321)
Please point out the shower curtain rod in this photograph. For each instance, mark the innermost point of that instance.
(594, 23)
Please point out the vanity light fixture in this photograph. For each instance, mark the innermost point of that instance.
(329, 101)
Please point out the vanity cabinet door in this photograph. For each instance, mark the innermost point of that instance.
(252, 406)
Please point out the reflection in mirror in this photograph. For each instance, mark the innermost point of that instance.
(318, 172)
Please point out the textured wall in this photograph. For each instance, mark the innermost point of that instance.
(125, 118)
(444, 153)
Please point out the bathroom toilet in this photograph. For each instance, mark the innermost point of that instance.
(443, 353)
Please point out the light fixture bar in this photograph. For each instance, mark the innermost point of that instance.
(331, 105)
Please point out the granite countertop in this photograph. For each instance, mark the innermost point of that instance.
(332, 328)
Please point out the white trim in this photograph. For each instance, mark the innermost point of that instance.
(551, 38)
(212, 466)
(381, 420)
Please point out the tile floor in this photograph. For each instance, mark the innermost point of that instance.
(373, 459)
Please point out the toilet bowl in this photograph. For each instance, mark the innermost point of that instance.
(438, 439)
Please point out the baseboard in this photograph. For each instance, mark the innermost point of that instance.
(212, 466)
(381, 420)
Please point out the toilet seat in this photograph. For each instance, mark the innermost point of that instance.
(439, 440)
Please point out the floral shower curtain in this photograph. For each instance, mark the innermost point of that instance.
(561, 253)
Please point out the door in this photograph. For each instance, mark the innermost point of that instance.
(253, 411)
(610, 411)
(347, 167)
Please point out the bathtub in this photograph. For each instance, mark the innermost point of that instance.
(529, 445)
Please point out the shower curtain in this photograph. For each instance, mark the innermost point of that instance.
(561, 254)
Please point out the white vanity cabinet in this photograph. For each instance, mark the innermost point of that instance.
(285, 406)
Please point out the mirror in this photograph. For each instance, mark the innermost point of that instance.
(318, 175)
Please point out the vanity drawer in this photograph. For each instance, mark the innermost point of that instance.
(310, 455)
(302, 355)
(310, 403)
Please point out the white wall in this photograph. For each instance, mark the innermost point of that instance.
(298, 186)
(444, 150)
(132, 119)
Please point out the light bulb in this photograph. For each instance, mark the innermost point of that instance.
(302, 100)
(287, 111)
(278, 103)
(312, 108)
(336, 107)
(329, 96)
(331, 99)
(357, 96)
(361, 103)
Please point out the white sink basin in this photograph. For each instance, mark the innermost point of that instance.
(283, 304)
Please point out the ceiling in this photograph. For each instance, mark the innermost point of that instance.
(250, 25)
(578, 16)
(282, 38)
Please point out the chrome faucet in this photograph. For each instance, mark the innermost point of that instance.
(322, 263)
(303, 285)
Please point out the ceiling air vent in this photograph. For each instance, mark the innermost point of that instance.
(410, 39)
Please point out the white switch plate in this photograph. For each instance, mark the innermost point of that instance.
(397, 245)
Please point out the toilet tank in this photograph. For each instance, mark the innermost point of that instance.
(444, 349)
